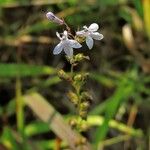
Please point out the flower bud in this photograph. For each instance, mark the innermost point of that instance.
(85, 96)
(81, 141)
(84, 105)
(80, 57)
(73, 97)
(54, 18)
(83, 114)
(73, 123)
(63, 75)
(78, 77)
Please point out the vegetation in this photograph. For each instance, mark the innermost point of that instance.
(41, 110)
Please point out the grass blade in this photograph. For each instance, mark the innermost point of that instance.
(24, 70)
(124, 89)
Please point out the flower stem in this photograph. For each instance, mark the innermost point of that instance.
(19, 107)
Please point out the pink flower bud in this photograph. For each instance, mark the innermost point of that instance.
(54, 18)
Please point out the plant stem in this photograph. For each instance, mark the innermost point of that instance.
(146, 8)
(114, 140)
(19, 107)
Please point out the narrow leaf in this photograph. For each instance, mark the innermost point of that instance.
(24, 70)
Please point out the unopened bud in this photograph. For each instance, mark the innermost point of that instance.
(63, 75)
(83, 114)
(81, 141)
(78, 77)
(73, 97)
(54, 18)
(85, 96)
(73, 123)
(80, 57)
(84, 105)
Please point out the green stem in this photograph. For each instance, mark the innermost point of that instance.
(95, 120)
(19, 107)
(146, 8)
(114, 141)
(77, 88)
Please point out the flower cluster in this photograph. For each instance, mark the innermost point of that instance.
(78, 95)
(67, 44)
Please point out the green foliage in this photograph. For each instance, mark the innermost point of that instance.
(36, 128)
(6, 1)
(8, 139)
(138, 6)
(24, 70)
(124, 90)
(111, 69)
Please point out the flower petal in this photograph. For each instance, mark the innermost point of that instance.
(80, 33)
(74, 44)
(58, 49)
(58, 35)
(96, 36)
(93, 27)
(69, 51)
(65, 33)
(89, 42)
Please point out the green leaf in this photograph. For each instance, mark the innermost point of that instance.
(24, 70)
(8, 139)
(39, 26)
(36, 128)
(100, 108)
(138, 6)
(124, 90)
(6, 1)
(46, 144)
(108, 2)
(123, 13)
(103, 79)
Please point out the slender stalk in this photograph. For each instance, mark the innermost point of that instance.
(19, 107)
(132, 115)
(146, 8)
(113, 141)
(77, 88)
(98, 120)
(78, 94)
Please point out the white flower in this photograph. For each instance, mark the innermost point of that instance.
(66, 44)
(90, 34)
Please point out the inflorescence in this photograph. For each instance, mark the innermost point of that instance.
(67, 44)
(80, 97)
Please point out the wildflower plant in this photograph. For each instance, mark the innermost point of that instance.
(80, 97)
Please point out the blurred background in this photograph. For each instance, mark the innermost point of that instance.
(119, 68)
